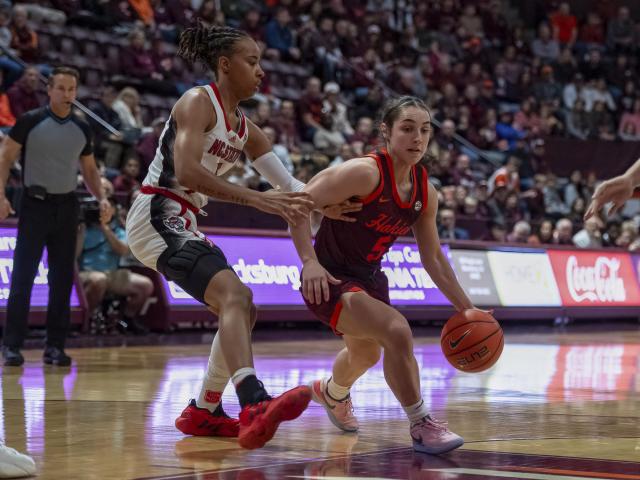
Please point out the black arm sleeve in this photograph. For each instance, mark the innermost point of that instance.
(25, 123)
(88, 134)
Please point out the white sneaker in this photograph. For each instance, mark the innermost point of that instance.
(433, 436)
(14, 464)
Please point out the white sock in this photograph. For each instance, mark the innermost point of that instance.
(417, 411)
(241, 374)
(337, 392)
(215, 380)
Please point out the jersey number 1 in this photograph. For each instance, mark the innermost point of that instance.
(379, 249)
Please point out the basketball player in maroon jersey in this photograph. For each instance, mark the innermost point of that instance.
(344, 285)
(203, 138)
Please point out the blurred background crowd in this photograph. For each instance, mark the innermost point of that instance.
(501, 77)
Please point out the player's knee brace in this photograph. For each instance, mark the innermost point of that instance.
(192, 266)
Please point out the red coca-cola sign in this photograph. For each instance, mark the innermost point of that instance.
(595, 278)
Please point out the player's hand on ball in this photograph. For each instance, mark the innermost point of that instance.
(315, 282)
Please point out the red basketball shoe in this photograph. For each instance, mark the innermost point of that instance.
(259, 421)
(201, 422)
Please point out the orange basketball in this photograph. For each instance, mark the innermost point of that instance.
(472, 340)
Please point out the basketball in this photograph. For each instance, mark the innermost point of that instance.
(472, 340)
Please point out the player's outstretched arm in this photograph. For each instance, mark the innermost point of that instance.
(259, 150)
(355, 178)
(193, 114)
(616, 190)
(433, 260)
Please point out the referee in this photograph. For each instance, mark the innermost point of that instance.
(50, 139)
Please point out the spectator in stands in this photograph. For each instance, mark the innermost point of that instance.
(337, 109)
(506, 130)
(563, 233)
(521, 232)
(462, 173)
(327, 138)
(101, 246)
(600, 118)
(447, 228)
(572, 91)
(23, 38)
(593, 68)
(629, 127)
(136, 60)
(497, 232)
(25, 94)
(285, 124)
(346, 153)
(279, 36)
(128, 179)
(471, 21)
(506, 176)
(611, 233)
(547, 89)
(565, 25)
(589, 236)
(279, 149)
(310, 106)
(544, 235)
(11, 69)
(148, 143)
(591, 33)
(127, 106)
(578, 122)
(575, 188)
(252, 24)
(628, 235)
(620, 31)
(261, 115)
(7, 119)
(364, 132)
(544, 46)
(578, 207)
(180, 13)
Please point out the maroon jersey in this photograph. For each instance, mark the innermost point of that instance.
(356, 249)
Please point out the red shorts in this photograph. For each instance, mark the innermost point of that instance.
(377, 286)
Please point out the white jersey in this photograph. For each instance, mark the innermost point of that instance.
(222, 149)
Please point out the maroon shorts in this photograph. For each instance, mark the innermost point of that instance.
(377, 286)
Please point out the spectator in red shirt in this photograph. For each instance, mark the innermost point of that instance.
(592, 32)
(286, 126)
(128, 179)
(24, 95)
(310, 108)
(136, 59)
(23, 38)
(146, 148)
(565, 25)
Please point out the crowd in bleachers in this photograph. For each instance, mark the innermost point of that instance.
(501, 79)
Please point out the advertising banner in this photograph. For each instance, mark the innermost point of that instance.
(595, 278)
(474, 274)
(409, 283)
(524, 279)
(271, 268)
(40, 291)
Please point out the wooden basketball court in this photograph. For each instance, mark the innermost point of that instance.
(556, 406)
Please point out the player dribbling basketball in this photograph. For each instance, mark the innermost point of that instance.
(344, 285)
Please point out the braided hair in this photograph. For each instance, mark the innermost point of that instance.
(208, 44)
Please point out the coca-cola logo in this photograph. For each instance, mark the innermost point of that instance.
(599, 282)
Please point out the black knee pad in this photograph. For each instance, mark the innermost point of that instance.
(193, 266)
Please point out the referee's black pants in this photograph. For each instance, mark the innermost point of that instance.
(53, 223)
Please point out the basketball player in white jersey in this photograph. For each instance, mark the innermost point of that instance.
(202, 139)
